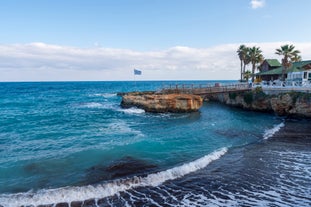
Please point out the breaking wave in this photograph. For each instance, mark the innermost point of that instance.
(133, 110)
(270, 132)
(99, 191)
(105, 95)
(91, 105)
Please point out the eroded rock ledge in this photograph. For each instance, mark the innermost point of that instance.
(292, 104)
(161, 103)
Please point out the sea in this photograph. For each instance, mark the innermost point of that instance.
(71, 144)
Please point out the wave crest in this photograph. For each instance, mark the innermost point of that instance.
(71, 194)
(133, 110)
(270, 132)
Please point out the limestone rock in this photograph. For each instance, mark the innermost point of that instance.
(161, 103)
(284, 104)
(302, 107)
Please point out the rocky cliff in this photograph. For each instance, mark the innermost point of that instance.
(160, 103)
(293, 104)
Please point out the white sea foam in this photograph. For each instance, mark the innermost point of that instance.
(133, 110)
(69, 194)
(106, 95)
(270, 132)
(92, 105)
(121, 127)
(97, 105)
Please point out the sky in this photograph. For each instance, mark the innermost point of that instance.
(104, 40)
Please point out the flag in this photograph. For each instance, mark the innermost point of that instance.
(137, 72)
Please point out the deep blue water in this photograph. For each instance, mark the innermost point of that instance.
(71, 143)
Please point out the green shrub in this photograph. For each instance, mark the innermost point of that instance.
(259, 94)
(258, 90)
(232, 95)
(248, 97)
(301, 96)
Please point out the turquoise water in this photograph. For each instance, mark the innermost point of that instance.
(75, 134)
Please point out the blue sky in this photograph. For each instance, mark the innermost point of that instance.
(167, 39)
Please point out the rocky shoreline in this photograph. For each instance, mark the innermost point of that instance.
(162, 103)
(291, 104)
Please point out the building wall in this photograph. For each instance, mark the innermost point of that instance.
(264, 66)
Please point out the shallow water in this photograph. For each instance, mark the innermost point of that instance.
(71, 143)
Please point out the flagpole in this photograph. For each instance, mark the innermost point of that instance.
(136, 72)
(135, 82)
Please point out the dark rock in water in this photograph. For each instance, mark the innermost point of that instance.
(124, 167)
(88, 203)
(76, 204)
(102, 201)
(50, 205)
(33, 168)
(62, 205)
(128, 166)
(95, 174)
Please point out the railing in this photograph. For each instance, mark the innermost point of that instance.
(277, 87)
(276, 84)
(267, 86)
(201, 89)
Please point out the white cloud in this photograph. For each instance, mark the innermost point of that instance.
(44, 62)
(255, 4)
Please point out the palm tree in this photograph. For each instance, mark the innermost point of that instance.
(246, 60)
(247, 75)
(288, 52)
(255, 57)
(242, 52)
(296, 58)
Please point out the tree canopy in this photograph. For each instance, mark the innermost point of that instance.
(289, 54)
(248, 55)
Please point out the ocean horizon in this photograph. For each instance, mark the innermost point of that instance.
(69, 143)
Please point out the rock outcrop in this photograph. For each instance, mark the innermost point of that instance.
(295, 104)
(161, 103)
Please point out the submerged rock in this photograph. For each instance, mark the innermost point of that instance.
(127, 166)
(161, 103)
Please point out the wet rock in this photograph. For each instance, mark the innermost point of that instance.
(161, 103)
(62, 205)
(124, 167)
(76, 203)
(94, 175)
(102, 201)
(90, 202)
(128, 166)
